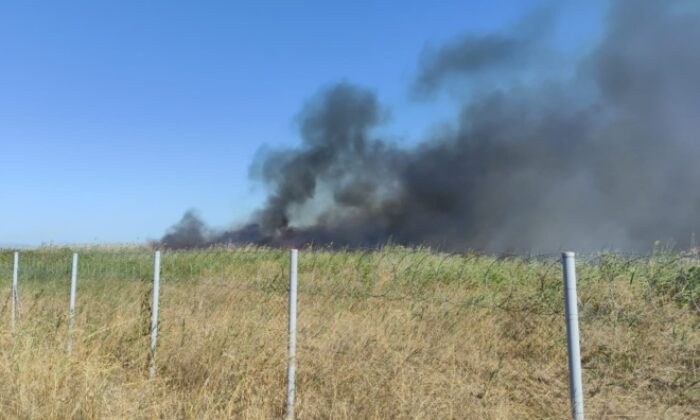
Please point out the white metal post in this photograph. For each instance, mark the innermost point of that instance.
(292, 362)
(15, 292)
(71, 304)
(572, 336)
(154, 314)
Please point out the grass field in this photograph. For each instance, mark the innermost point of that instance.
(392, 333)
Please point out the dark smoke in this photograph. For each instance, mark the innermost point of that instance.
(189, 232)
(609, 159)
(472, 56)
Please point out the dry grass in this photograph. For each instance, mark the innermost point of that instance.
(395, 333)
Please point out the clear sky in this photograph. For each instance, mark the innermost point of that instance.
(117, 116)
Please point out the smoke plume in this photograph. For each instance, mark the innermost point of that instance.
(606, 159)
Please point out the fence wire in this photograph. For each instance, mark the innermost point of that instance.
(393, 274)
(516, 292)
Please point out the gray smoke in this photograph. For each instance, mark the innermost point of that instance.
(606, 160)
(189, 232)
(492, 54)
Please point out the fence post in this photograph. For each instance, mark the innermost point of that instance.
(572, 336)
(71, 304)
(292, 362)
(154, 315)
(15, 291)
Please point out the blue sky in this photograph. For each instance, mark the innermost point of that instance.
(117, 116)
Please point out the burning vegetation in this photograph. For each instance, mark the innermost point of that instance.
(604, 157)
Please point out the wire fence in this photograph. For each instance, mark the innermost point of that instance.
(524, 286)
(532, 282)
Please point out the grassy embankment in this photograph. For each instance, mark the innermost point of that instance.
(395, 333)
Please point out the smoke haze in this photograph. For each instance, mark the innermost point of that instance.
(607, 159)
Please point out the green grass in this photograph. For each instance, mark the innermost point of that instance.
(414, 273)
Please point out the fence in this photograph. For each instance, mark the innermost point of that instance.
(390, 275)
